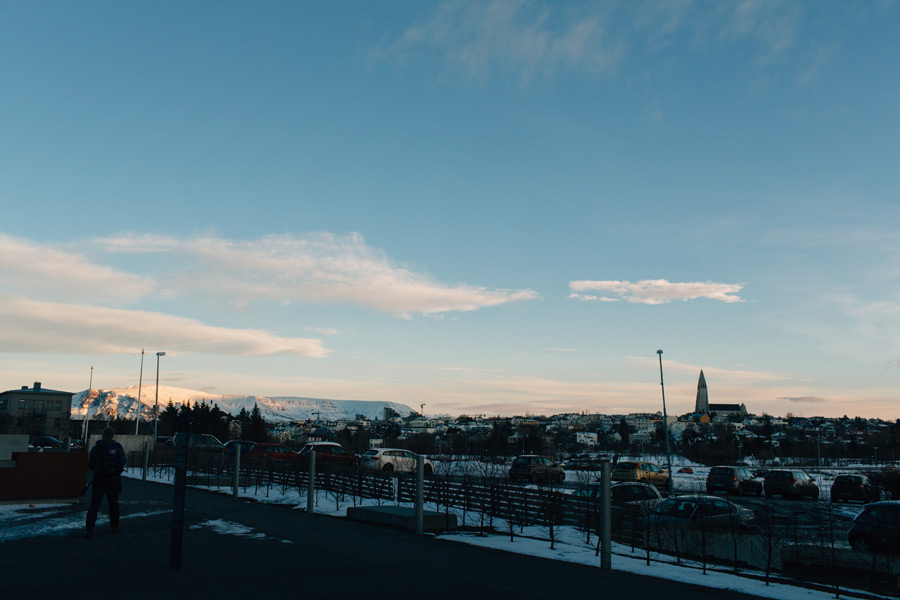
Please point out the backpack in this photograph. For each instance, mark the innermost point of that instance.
(113, 460)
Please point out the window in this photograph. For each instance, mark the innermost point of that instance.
(22, 404)
(3, 403)
(30, 404)
(57, 405)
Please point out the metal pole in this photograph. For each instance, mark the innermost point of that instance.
(137, 418)
(605, 519)
(237, 470)
(665, 422)
(146, 460)
(156, 403)
(311, 485)
(420, 487)
(87, 409)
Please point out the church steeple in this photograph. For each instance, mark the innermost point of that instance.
(702, 406)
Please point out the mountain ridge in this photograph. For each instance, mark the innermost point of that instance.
(124, 403)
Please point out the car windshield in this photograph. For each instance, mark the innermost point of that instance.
(371, 453)
(677, 507)
(626, 466)
(721, 471)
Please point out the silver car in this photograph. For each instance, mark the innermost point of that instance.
(391, 460)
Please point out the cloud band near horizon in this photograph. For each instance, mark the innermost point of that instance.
(654, 291)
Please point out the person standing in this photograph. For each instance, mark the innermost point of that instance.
(107, 461)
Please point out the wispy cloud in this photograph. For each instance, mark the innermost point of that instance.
(33, 326)
(654, 291)
(529, 40)
(519, 38)
(320, 267)
(26, 267)
(805, 399)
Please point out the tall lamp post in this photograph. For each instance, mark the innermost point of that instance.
(665, 422)
(156, 403)
(137, 419)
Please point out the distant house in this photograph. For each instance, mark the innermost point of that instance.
(35, 411)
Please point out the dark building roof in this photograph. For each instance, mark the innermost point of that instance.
(36, 389)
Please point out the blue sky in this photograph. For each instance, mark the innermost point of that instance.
(488, 207)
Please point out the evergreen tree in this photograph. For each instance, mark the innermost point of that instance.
(258, 432)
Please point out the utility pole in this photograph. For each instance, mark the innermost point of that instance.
(137, 418)
(665, 422)
(87, 409)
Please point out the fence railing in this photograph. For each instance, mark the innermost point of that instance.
(484, 502)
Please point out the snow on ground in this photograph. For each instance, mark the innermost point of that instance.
(20, 521)
(224, 527)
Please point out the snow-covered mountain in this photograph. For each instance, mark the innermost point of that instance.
(123, 402)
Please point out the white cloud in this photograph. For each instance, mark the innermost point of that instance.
(28, 267)
(319, 267)
(529, 39)
(524, 38)
(31, 326)
(655, 291)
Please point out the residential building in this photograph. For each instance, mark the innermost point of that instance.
(35, 411)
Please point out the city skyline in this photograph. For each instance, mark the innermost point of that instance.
(488, 207)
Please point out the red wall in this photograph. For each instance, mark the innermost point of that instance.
(44, 475)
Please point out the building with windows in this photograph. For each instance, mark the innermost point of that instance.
(35, 411)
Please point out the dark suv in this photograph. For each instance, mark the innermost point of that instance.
(854, 487)
(733, 480)
(796, 484)
(533, 468)
(877, 528)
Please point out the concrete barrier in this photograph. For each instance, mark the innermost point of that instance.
(403, 517)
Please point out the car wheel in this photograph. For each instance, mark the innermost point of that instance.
(388, 468)
(861, 545)
(560, 478)
(427, 470)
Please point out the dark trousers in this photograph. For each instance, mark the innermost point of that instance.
(110, 489)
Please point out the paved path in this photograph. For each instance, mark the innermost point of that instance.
(288, 553)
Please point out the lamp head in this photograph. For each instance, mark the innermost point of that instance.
(163, 353)
(659, 351)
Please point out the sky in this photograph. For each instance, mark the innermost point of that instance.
(491, 208)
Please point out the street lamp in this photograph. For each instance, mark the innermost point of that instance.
(665, 422)
(137, 419)
(156, 403)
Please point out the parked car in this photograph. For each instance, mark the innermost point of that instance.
(701, 511)
(201, 441)
(46, 441)
(629, 501)
(854, 487)
(796, 484)
(877, 528)
(272, 452)
(647, 472)
(390, 460)
(231, 446)
(733, 480)
(534, 468)
(329, 453)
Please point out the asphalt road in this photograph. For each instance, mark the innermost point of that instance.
(287, 552)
